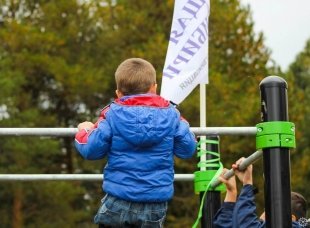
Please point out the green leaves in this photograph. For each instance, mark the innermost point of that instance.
(299, 97)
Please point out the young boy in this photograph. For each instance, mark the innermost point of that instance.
(140, 132)
(241, 212)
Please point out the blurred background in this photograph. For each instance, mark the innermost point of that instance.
(57, 63)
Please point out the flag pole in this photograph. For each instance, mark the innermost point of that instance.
(212, 201)
(203, 122)
(203, 157)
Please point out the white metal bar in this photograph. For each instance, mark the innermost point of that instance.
(224, 130)
(89, 177)
(72, 177)
(38, 131)
(61, 132)
(248, 161)
(203, 122)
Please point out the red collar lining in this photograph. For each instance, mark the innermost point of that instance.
(154, 101)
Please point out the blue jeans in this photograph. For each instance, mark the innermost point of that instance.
(116, 212)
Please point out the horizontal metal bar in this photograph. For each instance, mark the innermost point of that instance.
(61, 132)
(224, 130)
(248, 161)
(89, 177)
(72, 177)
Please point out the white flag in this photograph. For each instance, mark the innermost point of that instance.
(186, 63)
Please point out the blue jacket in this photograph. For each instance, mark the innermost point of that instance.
(242, 213)
(139, 135)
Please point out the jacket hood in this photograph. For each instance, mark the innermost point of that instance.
(142, 120)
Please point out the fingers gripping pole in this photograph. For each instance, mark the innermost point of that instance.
(248, 161)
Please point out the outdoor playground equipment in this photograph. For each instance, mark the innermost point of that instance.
(274, 137)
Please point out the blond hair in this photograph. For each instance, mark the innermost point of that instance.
(135, 76)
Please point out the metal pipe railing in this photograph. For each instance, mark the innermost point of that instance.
(72, 177)
(89, 177)
(248, 161)
(68, 132)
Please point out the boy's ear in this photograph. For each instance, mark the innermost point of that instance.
(118, 93)
(153, 88)
(294, 218)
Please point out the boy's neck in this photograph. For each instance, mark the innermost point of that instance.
(152, 90)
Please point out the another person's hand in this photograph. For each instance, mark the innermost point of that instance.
(231, 187)
(85, 125)
(244, 176)
(262, 217)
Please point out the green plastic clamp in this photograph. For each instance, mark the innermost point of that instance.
(275, 134)
(203, 178)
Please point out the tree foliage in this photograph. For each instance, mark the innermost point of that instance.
(298, 77)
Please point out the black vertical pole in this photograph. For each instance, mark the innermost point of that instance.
(276, 159)
(212, 201)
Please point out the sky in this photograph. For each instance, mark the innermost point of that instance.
(285, 24)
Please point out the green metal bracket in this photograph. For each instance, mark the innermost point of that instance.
(203, 178)
(275, 134)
